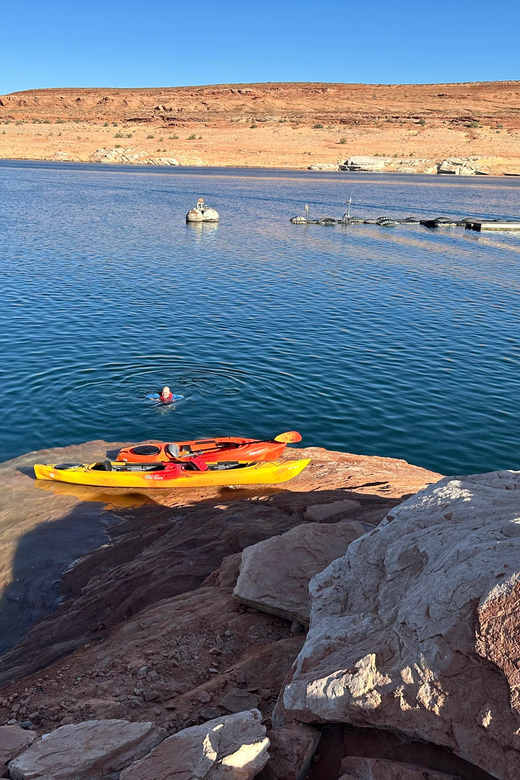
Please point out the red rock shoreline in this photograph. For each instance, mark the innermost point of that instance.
(192, 621)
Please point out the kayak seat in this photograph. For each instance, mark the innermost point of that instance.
(146, 449)
(105, 465)
(173, 450)
(196, 463)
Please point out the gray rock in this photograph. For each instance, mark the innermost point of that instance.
(91, 750)
(415, 628)
(237, 700)
(274, 575)
(319, 513)
(233, 747)
(458, 166)
(290, 752)
(324, 167)
(209, 713)
(129, 156)
(13, 740)
(161, 161)
(365, 163)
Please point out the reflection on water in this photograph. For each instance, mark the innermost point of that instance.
(110, 497)
(401, 342)
(202, 229)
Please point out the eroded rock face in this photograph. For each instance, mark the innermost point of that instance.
(458, 166)
(13, 740)
(275, 574)
(324, 167)
(91, 751)
(359, 768)
(130, 156)
(290, 752)
(414, 629)
(233, 747)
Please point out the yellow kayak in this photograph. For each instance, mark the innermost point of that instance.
(171, 475)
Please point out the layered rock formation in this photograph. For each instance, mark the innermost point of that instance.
(415, 628)
(413, 127)
(233, 747)
(460, 166)
(90, 751)
(275, 574)
(129, 156)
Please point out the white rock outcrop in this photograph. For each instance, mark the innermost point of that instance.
(233, 747)
(415, 629)
(274, 574)
(130, 156)
(93, 750)
(366, 163)
(459, 166)
(324, 167)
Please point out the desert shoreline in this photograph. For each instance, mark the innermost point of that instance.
(404, 128)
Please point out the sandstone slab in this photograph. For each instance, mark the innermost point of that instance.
(318, 513)
(233, 747)
(324, 167)
(366, 163)
(92, 750)
(238, 700)
(290, 752)
(13, 740)
(414, 629)
(275, 574)
(360, 768)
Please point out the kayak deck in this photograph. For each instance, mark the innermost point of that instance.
(212, 450)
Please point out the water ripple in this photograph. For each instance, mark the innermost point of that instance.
(397, 342)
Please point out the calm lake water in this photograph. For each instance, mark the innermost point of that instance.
(402, 342)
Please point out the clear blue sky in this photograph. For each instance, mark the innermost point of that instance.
(159, 43)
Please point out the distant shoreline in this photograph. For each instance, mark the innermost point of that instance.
(288, 125)
(192, 169)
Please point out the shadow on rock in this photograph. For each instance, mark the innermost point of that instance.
(155, 552)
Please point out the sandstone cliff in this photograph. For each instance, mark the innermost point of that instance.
(287, 125)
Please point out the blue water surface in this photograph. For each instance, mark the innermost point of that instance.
(402, 342)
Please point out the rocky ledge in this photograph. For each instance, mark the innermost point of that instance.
(357, 622)
(458, 166)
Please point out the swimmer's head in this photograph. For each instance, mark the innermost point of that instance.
(165, 391)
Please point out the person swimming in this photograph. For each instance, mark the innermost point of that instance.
(166, 395)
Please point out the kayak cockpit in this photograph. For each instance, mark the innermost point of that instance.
(193, 464)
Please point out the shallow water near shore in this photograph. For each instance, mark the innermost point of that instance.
(402, 342)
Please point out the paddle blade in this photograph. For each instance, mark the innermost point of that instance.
(289, 438)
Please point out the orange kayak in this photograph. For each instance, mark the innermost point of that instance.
(210, 450)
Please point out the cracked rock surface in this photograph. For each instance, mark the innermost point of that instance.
(415, 628)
